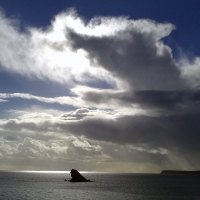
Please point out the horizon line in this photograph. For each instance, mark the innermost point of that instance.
(68, 171)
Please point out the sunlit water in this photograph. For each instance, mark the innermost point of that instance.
(51, 186)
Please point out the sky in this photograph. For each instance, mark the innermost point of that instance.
(108, 86)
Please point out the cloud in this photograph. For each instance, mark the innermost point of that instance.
(72, 50)
(133, 103)
(156, 102)
(162, 131)
(129, 102)
(2, 100)
(28, 150)
(190, 70)
(63, 100)
(136, 55)
(129, 55)
(154, 131)
(80, 97)
(72, 151)
(45, 53)
(161, 140)
(166, 138)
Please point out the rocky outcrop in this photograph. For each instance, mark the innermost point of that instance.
(77, 177)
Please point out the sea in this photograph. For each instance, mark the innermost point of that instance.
(105, 186)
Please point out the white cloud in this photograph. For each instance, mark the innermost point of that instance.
(84, 144)
(3, 100)
(48, 152)
(67, 100)
(7, 148)
(190, 71)
(116, 50)
(45, 53)
(49, 53)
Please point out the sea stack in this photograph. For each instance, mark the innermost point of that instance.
(77, 177)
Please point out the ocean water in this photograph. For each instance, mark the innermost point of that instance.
(51, 186)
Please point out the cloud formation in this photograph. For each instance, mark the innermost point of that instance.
(112, 49)
(44, 53)
(133, 103)
(136, 55)
(157, 139)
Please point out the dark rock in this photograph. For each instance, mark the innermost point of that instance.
(77, 177)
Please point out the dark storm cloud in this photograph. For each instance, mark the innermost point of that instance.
(186, 101)
(161, 131)
(179, 101)
(136, 57)
(178, 134)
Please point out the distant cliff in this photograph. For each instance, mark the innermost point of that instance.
(180, 172)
